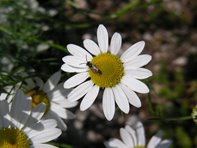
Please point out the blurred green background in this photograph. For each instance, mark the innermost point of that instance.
(33, 39)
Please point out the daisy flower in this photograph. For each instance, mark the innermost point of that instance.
(21, 127)
(53, 95)
(135, 138)
(99, 67)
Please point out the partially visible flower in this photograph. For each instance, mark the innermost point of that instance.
(6, 63)
(53, 95)
(8, 93)
(21, 127)
(194, 114)
(134, 137)
(99, 67)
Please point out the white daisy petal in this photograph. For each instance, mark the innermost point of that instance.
(43, 146)
(106, 143)
(3, 96)
(76, 80)
(52, 82)
(39, 126)
(164, 144)
(116, 43)
(137, 62)
(66, 103)
(91, 46)
(121, 99)
(155, 140)
(33, 128)
(49, 123)
(70, 115)
(67, 68)
(80, 91)
(140, 134)
(108, 103)
(131, 96)
(20, 114)
(78, 51)
(58, 95)
(58, 110)
(4, 110)
(132, 51)
(75, 61)
(89, 98)
(116, 143)
(36, 114)
(126, 138)
(40, 137)
(102, 37)
(60, 123)
(132, 133)
(140, 73)
(134, 84)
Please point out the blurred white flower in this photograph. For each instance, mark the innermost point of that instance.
(21, 127)
(100, 68)
(6, 63)
(134, 137)
(194, 114)
(52, 12)
(42, 47)
(53, 95)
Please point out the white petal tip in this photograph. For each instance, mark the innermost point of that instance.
(83, 108)
(149, 58)
(126, 112)
(142, 43)
(66, 86)
(138, 106)
(146, 91)
(68, 46)
(109, 118)
(70, 99)
(101, 25)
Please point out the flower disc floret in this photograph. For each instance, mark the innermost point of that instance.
(111, 69)
(139, 147)
(13, 138)
(39, 97)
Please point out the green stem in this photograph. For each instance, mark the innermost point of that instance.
(172, 119)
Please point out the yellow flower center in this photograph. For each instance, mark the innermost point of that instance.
(107, 70)
(39, 97)
(13, 138)
(139, 147)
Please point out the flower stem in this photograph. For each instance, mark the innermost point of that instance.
(172, 119)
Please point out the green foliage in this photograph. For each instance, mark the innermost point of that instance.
(173, 83)
(182, 138)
